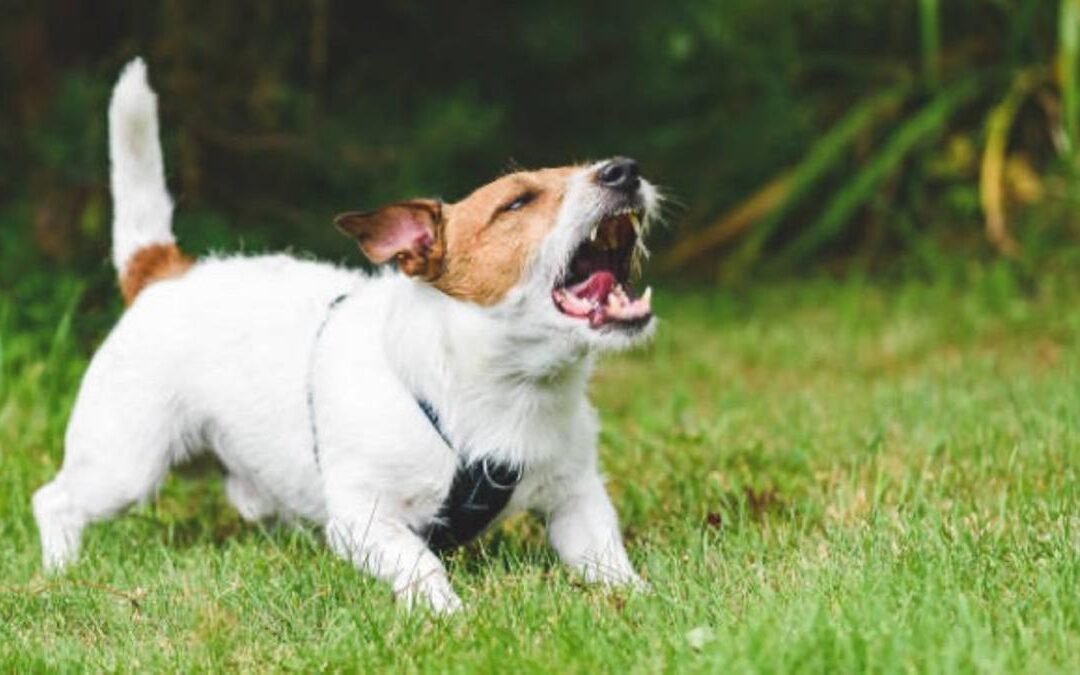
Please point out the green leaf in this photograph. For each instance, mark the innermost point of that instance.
(823, 156)
(927, 122)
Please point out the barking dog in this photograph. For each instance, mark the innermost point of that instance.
(404, 412)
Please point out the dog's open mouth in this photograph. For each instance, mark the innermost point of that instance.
(596, 285)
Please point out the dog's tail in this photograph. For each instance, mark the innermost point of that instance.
(144, 249)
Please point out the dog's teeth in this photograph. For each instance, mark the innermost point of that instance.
(615, 305)
(635, 222)
(646, 297)
(595, 230)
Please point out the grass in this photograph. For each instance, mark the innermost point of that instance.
(824, 477)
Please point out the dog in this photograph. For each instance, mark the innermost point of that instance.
(403, 411)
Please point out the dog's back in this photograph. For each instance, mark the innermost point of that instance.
(181, 370)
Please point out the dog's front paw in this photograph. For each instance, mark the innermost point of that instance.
(444, 604)
(615, 575)
(639, 585)
(434, 593)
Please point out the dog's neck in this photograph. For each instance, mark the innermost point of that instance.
(491, 378)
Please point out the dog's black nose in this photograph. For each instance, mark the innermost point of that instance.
(620, 174)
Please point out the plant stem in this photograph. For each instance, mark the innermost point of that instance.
(930, 42)
(1069, 50)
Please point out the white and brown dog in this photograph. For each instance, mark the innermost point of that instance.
(404, 412)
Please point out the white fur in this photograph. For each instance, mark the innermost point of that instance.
(223, 359)
(142, 209)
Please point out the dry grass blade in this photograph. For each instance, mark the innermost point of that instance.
(772, 202)
(992, 168)
(731, 224)
(860, 188)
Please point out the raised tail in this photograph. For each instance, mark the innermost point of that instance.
(143, 247)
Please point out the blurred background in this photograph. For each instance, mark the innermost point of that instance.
(884, 138)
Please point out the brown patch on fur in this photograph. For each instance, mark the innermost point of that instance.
(475, 249)
(149, 264)
(487, 248)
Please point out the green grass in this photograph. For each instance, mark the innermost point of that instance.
(824, 477)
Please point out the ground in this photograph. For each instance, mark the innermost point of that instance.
(831, 476)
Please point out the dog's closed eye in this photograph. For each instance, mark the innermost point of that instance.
(519, 202)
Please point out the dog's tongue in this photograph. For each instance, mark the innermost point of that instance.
(595, 288)
(602, 300)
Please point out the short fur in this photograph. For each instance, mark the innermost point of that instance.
(224, 357)
(151, 263)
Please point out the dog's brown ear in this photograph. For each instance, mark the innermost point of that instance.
(408, 232)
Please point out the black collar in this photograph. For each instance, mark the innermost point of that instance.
(480, 489)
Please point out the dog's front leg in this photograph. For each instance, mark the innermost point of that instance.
(386, 548)
(584, 530)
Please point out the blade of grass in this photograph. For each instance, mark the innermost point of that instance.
(62, 336)
(933, 116)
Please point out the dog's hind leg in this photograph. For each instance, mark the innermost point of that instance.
(60, 525)
(76, 498)
(252, 505)
(119, 445)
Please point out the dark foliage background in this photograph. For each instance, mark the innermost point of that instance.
(793, 135)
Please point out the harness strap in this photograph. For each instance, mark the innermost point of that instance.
(311, 377)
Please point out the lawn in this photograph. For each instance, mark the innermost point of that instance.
(831, 476)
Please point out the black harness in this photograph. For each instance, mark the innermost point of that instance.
(478, 494)
(480, 489)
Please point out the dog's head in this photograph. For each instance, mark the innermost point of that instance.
(554, 250)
